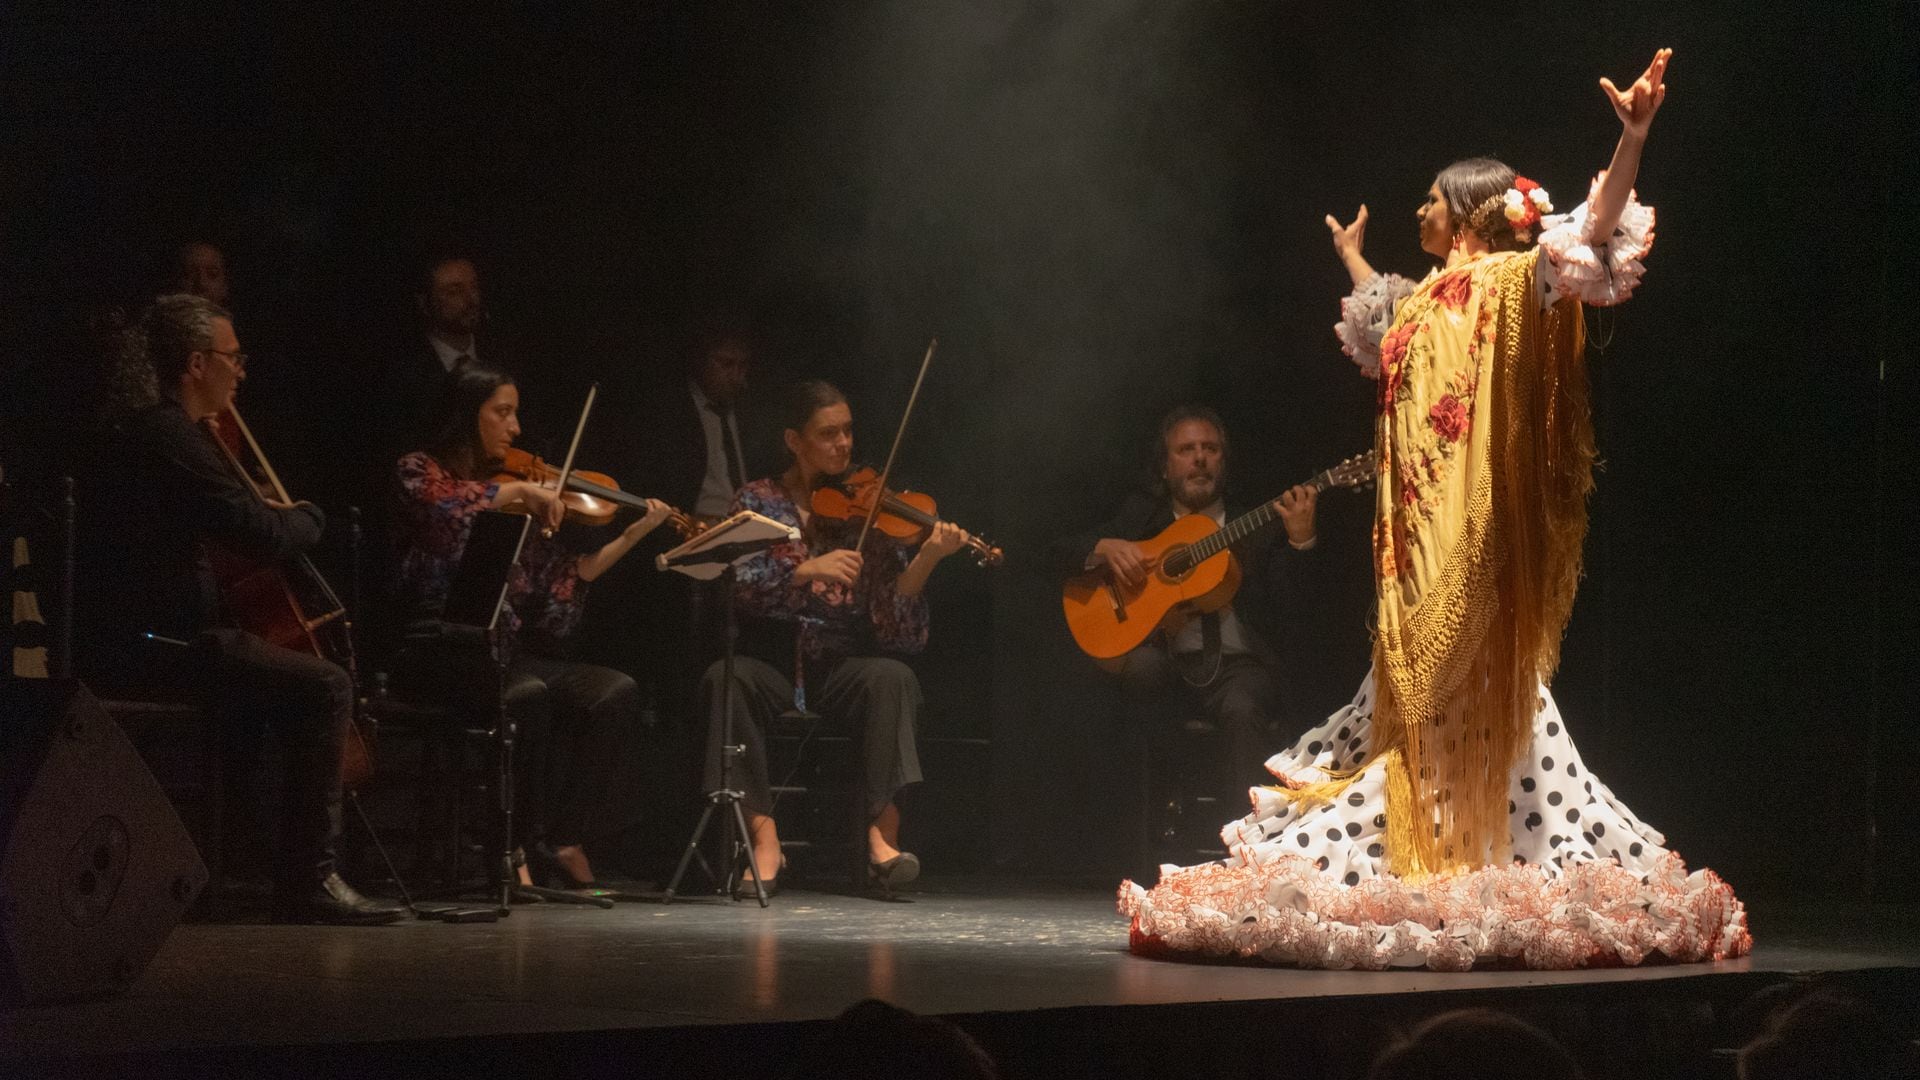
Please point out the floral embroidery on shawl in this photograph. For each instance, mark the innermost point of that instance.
(1453, 560)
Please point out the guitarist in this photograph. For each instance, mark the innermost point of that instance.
(151, 619)
(1220, 665)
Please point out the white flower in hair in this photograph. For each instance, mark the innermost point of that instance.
(1539, 197)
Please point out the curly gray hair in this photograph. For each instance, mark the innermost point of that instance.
(157, 347)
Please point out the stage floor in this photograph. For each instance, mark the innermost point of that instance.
(557, 968)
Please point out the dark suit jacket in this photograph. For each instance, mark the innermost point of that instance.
(1272, 570)
(412, 378)
(164, 489)
(647, 427)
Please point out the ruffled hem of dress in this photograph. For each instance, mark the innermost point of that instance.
(1601, 276)
(1594, 914)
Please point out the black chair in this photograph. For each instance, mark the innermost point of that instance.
(463, 783)
(1181, 777)
(814, 766)
(817, 768)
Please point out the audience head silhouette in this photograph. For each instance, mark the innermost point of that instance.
(1476, 1044)
(876, 1039)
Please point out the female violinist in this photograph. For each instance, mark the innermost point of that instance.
(818, 612)
(574, 718)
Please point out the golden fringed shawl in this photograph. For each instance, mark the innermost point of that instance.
(1485, 450)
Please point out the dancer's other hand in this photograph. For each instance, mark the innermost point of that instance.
(1642, 98)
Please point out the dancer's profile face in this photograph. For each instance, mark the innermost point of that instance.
(1436, 225)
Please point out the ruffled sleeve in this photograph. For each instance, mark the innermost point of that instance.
(1365, 316)
(1596, 271)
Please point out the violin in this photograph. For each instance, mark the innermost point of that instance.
(904, 515)
(591, 498)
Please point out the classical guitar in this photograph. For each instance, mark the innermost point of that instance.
(1190, 567)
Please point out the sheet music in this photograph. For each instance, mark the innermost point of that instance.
(743, 527)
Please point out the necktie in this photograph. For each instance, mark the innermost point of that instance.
(736, 475)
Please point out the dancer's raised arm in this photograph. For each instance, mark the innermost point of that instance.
(1346, 243)
(1635, 106)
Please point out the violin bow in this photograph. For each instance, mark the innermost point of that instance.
(899, 434)
(279, 492)
(279, 489)
(579, 429)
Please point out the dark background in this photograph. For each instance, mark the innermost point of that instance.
(1101, 209)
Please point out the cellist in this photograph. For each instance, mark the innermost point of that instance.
(151, 616)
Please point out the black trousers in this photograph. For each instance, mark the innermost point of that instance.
(250, 686)
(575, 723)
(1241, 699)
(876, 694)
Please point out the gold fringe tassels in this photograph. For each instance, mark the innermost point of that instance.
(1458, 680)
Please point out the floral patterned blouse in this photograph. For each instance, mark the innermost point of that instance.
(832, 620)
(435, 511)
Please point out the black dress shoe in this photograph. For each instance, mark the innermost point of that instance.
(333, 902)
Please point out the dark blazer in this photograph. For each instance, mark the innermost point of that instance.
(165, 489)
(1272, 570)
(648, 428)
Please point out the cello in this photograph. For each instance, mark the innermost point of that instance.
(263, 599)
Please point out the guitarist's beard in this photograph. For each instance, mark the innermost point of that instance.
(1198, 492)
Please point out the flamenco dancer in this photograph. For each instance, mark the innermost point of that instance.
(1444, 818)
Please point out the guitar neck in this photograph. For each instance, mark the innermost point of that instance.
(1246, 525)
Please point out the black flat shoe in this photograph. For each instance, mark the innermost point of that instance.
(331, 901)
(902, 869)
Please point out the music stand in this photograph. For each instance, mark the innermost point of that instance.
(476, 602)
(711, 555)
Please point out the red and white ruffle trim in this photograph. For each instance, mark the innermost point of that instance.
(1365, 316)
(1601, 275)
(1595, 914)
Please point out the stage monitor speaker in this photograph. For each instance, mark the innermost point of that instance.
(95, 866)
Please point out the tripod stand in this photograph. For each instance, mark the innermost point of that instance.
(726, 798)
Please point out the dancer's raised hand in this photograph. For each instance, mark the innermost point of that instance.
(1347, 240)
(1638, 102)
(1635, 106)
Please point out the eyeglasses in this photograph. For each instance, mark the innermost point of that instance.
(237, 359)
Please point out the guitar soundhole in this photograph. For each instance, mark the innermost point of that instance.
(1173, 565)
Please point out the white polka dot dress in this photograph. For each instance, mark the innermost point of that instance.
(1300, 881)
